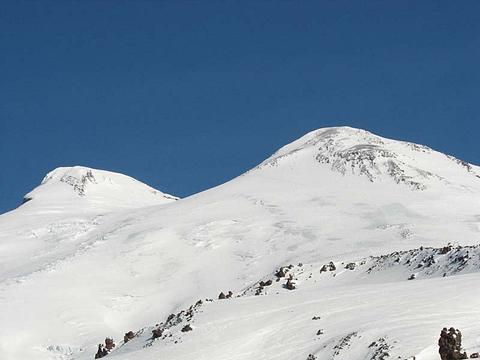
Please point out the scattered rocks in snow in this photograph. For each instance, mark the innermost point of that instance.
(446, 249)
(222, 296)
(262, 285)
(311, 357)
(423, 262)
(79, 185)
(350, 266)
(450, 344)
(328, 267)
(475, 355)
(170, 318)
(343, 343)
(266, 283)
(320, 332)
(163, 330)
(316, 318)
(379, 350)
(429, 261)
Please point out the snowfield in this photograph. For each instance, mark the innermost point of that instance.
(382, 237)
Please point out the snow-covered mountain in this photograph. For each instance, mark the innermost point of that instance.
(92, 189)
(341, 245)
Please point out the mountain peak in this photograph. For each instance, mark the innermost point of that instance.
(80, 185)
(351, 151)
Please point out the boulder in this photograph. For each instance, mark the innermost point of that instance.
(109, 344)
(290, 285)
(156, 333)
(101, 352)
(128, 336)
(187, 328)
(281, 272)
(266, 283)
(328, 267)
(450, 344)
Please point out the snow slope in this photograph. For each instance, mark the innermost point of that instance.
(85, 259)
(57, 217)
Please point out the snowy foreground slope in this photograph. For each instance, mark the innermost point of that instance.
(96, 254)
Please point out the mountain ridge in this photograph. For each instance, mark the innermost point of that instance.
(346, 150)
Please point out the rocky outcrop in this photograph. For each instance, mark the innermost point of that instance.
(290, 285)
(222, 295)
(128, 336)
(109, 344)
(79, 184)
(187, 328)
(450, 344)
(379, 350)
(101, 352)
(429, 262)
(282, 272)
(328, 267)
(344, 343)
(163, 329)
(266, 283)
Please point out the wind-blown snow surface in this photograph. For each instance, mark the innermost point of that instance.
(89, 258)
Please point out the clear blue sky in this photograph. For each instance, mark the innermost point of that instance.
(186, 95)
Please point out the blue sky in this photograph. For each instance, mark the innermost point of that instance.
(187, 95)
